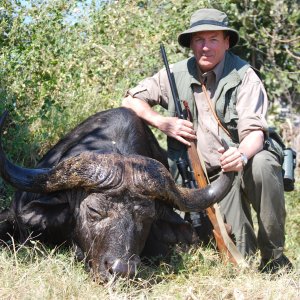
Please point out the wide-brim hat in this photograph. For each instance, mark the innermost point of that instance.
(208, 19)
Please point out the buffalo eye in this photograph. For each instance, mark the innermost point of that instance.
(96, 213)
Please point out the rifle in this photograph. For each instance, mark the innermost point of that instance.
(193, 176)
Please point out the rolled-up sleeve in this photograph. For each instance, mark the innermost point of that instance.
(154, 90)
(252, 105)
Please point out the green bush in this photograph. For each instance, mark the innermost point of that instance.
(62, 61)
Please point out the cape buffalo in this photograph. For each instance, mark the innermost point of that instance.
(105, 187)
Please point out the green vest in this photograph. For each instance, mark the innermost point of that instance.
(186, 75)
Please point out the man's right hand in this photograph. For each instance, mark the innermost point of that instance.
(179, 129)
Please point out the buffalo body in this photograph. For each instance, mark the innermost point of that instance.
(105, 188)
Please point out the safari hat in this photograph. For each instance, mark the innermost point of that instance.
(208, 19)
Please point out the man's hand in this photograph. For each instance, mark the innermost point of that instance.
(231, 160)
(181, 130)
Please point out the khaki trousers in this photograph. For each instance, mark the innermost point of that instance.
(260, 185)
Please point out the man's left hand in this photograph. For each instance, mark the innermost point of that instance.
(230, 160)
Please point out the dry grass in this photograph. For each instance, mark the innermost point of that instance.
(38, 273)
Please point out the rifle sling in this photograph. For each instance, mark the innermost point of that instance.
(209, 102)
(234, 254)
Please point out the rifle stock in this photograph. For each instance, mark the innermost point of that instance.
(196, 165)
(224, 243)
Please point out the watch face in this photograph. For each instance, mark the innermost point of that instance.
(244, 159)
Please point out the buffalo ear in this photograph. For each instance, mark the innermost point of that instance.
(48, 218)
(182, 230)
(166, 232)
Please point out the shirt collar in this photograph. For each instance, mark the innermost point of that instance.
(217, 70)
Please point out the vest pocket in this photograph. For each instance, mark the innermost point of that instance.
(230, 122)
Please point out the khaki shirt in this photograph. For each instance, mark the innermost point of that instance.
(252, 103)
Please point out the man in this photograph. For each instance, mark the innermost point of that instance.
(227, 100)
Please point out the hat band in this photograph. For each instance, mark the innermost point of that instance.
(208, 22)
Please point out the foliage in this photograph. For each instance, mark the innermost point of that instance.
(270, 42)
(61, 60)
(56, 72)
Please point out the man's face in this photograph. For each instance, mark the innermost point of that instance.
(209, 48)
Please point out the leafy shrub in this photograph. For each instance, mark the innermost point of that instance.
(61, 61)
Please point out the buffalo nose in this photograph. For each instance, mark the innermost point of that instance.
(124, 268)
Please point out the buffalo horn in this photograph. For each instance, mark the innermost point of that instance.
(114, 174)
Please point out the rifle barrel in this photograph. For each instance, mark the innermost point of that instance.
(172, 83)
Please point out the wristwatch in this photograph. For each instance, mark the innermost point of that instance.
(244, 159)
